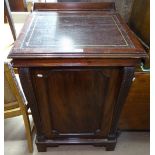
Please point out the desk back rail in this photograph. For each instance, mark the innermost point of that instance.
(72, 6)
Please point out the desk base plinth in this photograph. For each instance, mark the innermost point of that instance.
(108, 144)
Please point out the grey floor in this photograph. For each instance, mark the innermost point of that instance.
(129, 143)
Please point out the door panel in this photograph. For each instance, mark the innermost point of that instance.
(76, 102)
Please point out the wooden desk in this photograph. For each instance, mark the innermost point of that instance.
(76, 68)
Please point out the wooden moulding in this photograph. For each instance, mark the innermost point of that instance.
(108, 144)
(83, 6)
(73, 62)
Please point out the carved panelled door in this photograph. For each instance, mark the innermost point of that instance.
(76, 101)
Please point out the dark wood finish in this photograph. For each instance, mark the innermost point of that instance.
(41, 148)
(7, 14)
(67, 108)
(79, 41)
(18, 5)
(128, 74)
(76, 70)
(74, 62)
(68, 6)
(29, 93)
(110, 146)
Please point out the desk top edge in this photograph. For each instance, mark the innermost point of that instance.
(137, 52)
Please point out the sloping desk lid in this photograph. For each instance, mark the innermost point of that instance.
(76, 34)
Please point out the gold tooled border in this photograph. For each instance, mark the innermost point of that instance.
(30, 36)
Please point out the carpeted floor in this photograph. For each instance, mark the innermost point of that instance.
(129, 143)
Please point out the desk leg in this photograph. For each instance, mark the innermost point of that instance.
(25, 78)
(41, 148)
(128, 74)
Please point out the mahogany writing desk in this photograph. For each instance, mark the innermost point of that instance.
(76, 68)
